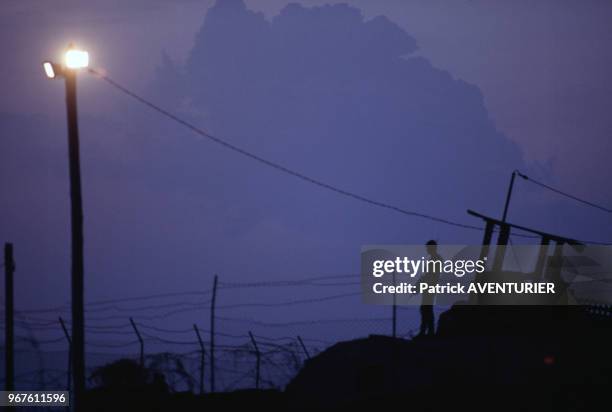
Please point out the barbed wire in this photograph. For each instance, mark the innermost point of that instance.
(109, 303)
(288, 303)
(281, 352)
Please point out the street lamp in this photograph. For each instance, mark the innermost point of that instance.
(74, 60)
(77, 59)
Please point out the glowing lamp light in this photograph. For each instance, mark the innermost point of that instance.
(49, 70)
(74, 59)
(77, 59)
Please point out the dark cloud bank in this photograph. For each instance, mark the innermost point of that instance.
(345, 100)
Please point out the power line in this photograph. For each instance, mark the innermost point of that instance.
(35, 341)
(148, 297)
(289, 303)
(169, 341)
(304, 322)
(202, 305)
(109, 332)
(309, 179)
(275, 165)
(164, 330)
(317, 182)
(146, 317)
(562, 193)
(313, 281)
(111, 344)
(145, 308)
(117, 308)
(107, 305)
(188, 331)
(66, 308)
(156, 316)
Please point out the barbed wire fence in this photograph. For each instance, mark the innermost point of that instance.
(42, 346)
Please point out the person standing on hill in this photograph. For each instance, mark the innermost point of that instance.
(427, 300)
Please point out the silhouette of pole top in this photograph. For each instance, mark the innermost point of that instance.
(544, 235)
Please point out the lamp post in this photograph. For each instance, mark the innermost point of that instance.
(74, 60)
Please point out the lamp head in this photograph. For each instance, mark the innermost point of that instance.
(74, 59)
(51, 70)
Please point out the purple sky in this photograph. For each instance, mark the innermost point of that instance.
(543, 68)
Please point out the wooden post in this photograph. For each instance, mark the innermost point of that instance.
(484, 253)
(303, 347)
(202, 354)
(258, 360)
(69, 351)
(500, 250)
(508, 196)
(486, 240)
(139, 340)
(212, 336)
(9, 319)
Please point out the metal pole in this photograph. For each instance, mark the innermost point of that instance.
(394, 312)
(508, 196)
(303, 347)
(258, 360)
(212, 336)
(202, 354)
(139, 340)
(78, 318)
(69, 351)
(9, 334)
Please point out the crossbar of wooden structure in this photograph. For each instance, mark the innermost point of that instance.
(505, 229)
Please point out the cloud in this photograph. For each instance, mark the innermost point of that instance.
(344, 99)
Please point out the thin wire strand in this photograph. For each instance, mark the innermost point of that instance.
(562, 193)
(314, 181)
(275, 165)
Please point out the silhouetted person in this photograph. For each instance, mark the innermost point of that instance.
(427, 300)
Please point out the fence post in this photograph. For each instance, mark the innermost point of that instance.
(258, 357)
(212, 336)
(139, 340)
(202, 354)
(303, 347)
(69, 351)
(9, 334)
